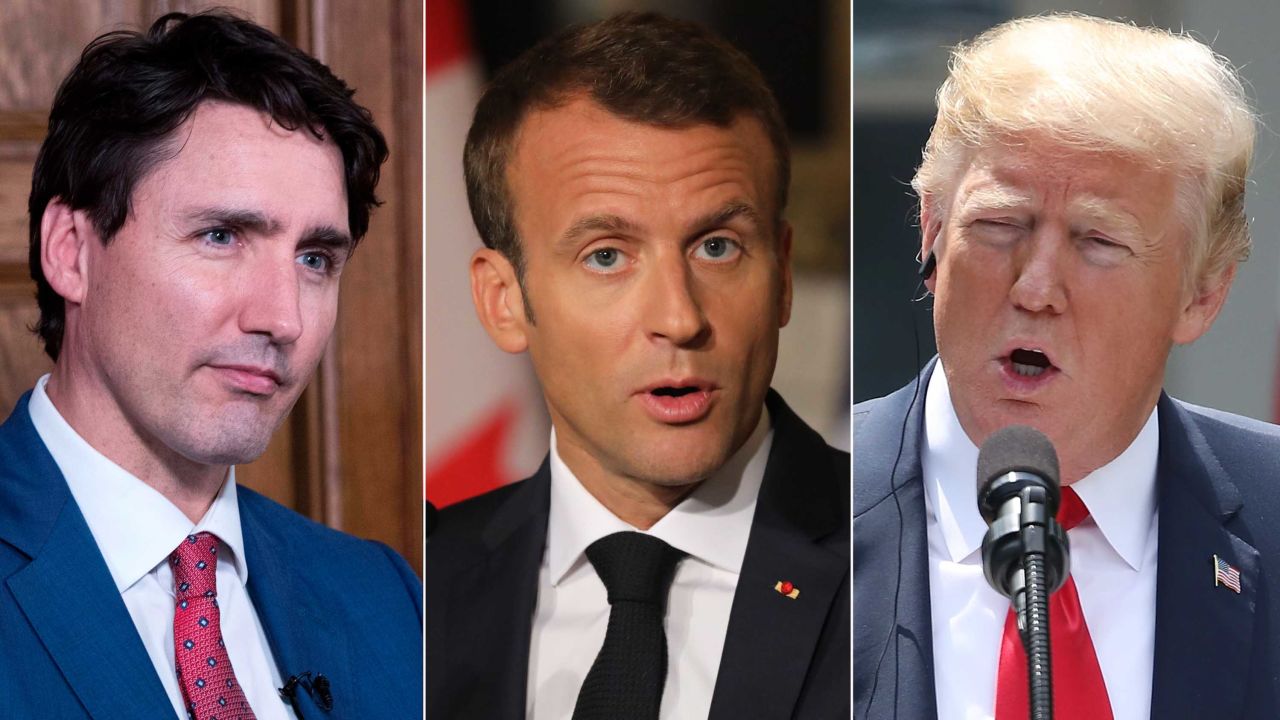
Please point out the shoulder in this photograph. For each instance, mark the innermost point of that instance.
(1225, 424)
(1237, 442)
(468, 531)
(467, 519)
(347, 557)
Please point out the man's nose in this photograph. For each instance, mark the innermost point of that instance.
(673, 310)
(1039, 282)
(270, 301)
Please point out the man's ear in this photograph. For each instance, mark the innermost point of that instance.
(1203, 306)
(930, 232)
(784, 264)
(499, 300)
(65, 235)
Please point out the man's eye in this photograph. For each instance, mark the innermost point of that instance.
(316, 261)
(604, 260)
(219, 236)
(717, 248)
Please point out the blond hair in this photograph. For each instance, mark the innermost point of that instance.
(1087, 83)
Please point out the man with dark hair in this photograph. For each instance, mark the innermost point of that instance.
(684, 549)
(199, 190)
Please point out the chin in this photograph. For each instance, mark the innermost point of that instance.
(677, 467)
(224, 445)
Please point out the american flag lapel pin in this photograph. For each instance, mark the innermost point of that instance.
(784, 587)
(1225, 574)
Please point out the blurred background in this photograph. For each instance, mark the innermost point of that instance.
(350, 453)
(900, 50)
(485, 419)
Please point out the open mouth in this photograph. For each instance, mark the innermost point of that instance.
(674, 391)
(1029, 363)
(685, 400)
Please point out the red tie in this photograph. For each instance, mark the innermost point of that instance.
(1079, 692)
(209, 685)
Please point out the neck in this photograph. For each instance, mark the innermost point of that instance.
(189, 485)
(635, 502)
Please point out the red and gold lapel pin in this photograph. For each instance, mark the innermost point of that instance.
(784, 587)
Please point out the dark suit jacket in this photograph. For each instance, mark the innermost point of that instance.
(329, 603)
(1217, 654)
(782, 658)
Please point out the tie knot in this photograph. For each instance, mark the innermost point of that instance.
(634, 566)
(1072, 510)
(195, 566)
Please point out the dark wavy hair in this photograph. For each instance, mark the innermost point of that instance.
(113, 116)
(643, 67)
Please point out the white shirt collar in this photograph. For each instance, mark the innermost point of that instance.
(712, 524)
(134, 526)
(1121, 495)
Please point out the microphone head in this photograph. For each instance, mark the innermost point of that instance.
(1016, 448)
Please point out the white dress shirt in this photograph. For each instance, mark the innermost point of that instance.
(1113, 561)
(136, 528)
(711, 526)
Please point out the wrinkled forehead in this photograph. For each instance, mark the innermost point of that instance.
(579, 123)
(1017, 171)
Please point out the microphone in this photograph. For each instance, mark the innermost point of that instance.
(316, 686)
(1018, 495)
(1025, 555)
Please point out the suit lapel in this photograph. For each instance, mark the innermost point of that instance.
(796, 536)
(1204, 634)
(893, 637)
(303, 636)
(499, 592)
(66, 591)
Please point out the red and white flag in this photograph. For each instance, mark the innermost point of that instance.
(485, 420)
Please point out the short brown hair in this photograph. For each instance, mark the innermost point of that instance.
(642, 67)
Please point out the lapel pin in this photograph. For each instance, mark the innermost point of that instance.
(1225, 574)
(784, 587)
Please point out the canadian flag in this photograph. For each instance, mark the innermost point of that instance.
(485, 421)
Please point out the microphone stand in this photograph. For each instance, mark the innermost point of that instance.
(1037, 531)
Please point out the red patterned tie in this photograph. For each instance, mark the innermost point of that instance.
(1079, 692)
(208, 683)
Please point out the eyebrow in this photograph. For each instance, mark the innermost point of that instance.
(1099, 210)
(259, 223)
(995, 197)
(728, 213)
(603, 222)
(610, 223)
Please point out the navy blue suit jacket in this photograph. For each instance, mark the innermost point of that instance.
(329, 603)
(782, 658)
(1217, 654)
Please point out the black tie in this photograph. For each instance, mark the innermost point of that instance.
(625, 681)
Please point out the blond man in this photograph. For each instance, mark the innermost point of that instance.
(1082, 212)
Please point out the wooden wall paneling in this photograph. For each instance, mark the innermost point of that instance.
(39, 43)
(16, 158)
(379, 378)
(41, 39)
(408, 90)
(22, 359)
(266, 13)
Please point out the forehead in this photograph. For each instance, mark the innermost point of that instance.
(581, 152)
(1089, 185)
(237, 157)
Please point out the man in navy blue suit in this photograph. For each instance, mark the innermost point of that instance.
(1082, 212)
(199, 191)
